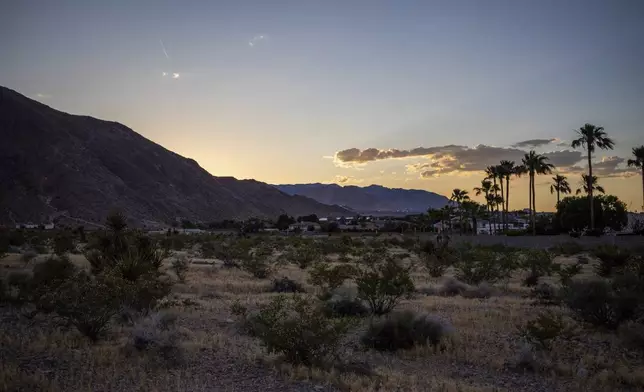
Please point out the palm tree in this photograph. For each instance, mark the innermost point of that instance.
(485, 189)
(589, 185)
(508, 169)
(535, 164)
(591, 137)
(492, 173)
(560, 185)
(638, 152)
(474, 211)
(459, 196)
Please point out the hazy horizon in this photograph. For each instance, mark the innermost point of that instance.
(412, 94)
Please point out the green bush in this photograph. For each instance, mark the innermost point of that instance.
(298, 329)
(539, 262)
(404, 330)
(329, 278)
(86, 302)
(180, 266)
(286, 285)
(543, 331)
(304, 255)
(257, 266)
(567, 272)
(611, 258)
(602, 303)
(478, 265)
(382, 285)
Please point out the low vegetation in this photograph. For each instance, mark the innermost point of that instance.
(353, 312)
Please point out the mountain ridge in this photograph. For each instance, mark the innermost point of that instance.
(370, 198)
(55, 164)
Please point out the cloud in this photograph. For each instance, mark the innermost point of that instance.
(464, 161)
(534, 143)
(346, 179)
(256, 40)
(42, 96)
(611, 166)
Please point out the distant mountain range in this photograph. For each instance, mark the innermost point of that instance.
(55, 165)
(373, 199)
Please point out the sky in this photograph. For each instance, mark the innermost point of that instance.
(409, 94)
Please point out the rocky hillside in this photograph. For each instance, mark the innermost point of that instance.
(53, 164)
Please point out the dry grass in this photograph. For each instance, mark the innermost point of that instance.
(38, 355)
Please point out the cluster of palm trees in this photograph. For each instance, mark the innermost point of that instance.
(495, 187)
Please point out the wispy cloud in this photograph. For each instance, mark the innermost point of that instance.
(42, 96)
(256, 40)
(164, 51)
(346, 180)
(534, 143)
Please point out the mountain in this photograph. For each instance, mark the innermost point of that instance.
(54, 164)
(370, 199)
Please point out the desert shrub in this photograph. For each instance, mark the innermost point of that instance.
(544, 330)
(180, 267)
(86, 302)
(257, 266)
(208, 250)
(63, 243)
(545, 295)
(28, 255)
(539, 262)
(132, 259)
(157, 334)
(611, 257)
(404, 330)
(344, 303)
(47, 277)
(478, 265)
(567, 272)
(286, 285)
(483, 290)
(532, 279)
(632, 334)
(305, 255)
(567, 248)
(452, 286)
(298, 329)
(602, 303)
(329, 278)
(17, 289)
(382, 285)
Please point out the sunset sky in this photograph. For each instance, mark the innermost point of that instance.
(321, 91)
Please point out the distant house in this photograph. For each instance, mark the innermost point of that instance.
(46, 226)
(191, 231)
(304, 226)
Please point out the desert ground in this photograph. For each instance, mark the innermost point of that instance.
(485, 349)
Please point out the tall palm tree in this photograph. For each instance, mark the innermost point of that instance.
(485, 189)
(507, 169)
(638, 162)
(591, 137)
(459, 196)
(589, 184)
(535, 164)
(492, 173)
(560, 185)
